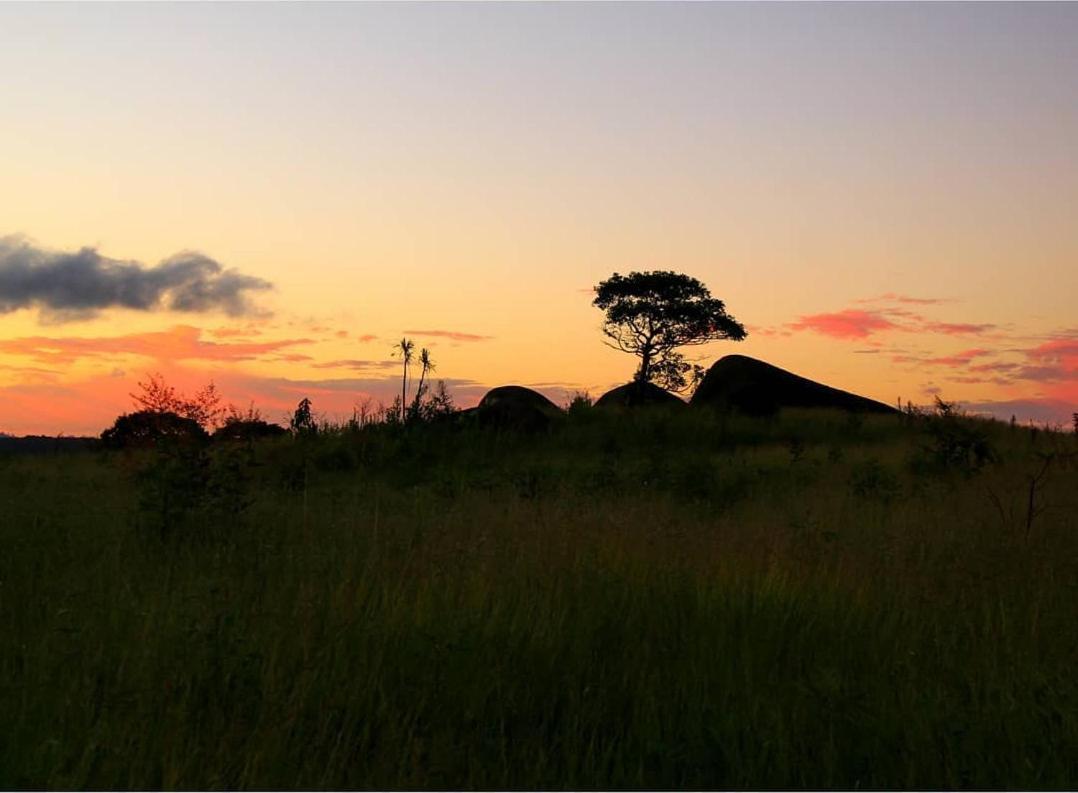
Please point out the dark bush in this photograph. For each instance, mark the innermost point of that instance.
(871, 480)
(956, 442)
(248, 430)
(147, 428)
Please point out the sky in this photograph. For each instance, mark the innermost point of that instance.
(268, 196)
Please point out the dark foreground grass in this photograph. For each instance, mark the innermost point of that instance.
(624, 603)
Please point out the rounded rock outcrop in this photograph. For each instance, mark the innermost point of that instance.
(747, 385)
(635, 395)
(516, 407)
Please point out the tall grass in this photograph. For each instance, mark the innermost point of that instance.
(629, 601)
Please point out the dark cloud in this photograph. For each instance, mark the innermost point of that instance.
(71, 286)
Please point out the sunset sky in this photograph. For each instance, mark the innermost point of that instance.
(269, 196)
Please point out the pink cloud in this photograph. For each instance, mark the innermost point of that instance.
(1064, 351)
(858, 323)
(847, 324)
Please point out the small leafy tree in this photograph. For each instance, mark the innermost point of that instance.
(157, 396)
(438, 403)
(652, 314)
(302, 422)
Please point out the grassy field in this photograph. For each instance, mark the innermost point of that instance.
(627, 601)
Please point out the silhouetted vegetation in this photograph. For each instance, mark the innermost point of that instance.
(235, 429)
(957, 442)
(303, 422)
(652, 314)
(146, 428)
(45, 444)
(661, 598)
(405, 349)
(157, 396)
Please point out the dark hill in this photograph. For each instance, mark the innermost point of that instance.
(516, 407)
(758, 388)
(636, 394)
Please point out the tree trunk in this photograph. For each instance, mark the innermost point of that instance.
(645, 364)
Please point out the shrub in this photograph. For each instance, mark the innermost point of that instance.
(148, 428)
(190, 487)
(956, 441)
(247, 430)
(579, 402)
(872, 480)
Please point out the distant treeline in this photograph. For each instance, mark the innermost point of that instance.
(44, 444)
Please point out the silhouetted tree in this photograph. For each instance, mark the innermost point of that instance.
(404, 348)
(652, 314)
(157, 396)
(427, 364)
(438, 404)
(302, 422)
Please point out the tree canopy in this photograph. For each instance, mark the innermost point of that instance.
(651, 314)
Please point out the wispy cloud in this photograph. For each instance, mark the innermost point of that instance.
(180, 343)
(73, 286)
(356, 364)
(235, 333)
(957, 360)
(891, 297)
(447, 334)
(954, 328)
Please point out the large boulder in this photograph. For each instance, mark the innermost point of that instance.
(636, 394)
(516, 407)
(750, 386)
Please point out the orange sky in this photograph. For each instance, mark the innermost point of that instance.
(883, 194)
